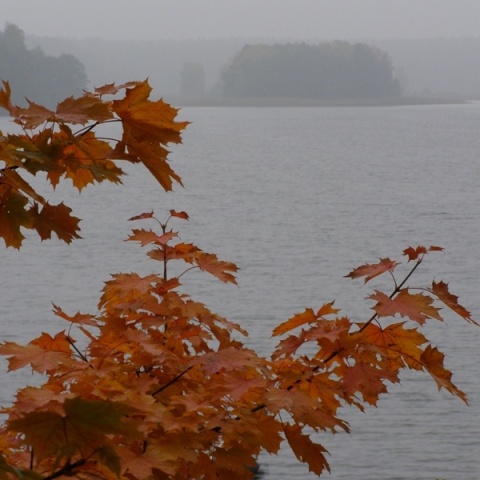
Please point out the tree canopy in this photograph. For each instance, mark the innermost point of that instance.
(154, 385)
(35, 75)
(328, 71)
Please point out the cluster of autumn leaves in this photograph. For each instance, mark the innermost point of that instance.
(155, 385)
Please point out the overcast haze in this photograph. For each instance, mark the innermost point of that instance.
(291, 19)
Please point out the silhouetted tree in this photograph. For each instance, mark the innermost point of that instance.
(35, 75)
(329, 71)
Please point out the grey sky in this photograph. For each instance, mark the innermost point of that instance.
(286, 19)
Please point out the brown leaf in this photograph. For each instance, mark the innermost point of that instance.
(305, 450)
(420, 251)
(13, 216)
(368, 380)
(440, 289)
(56, 219)
(432, 360)
(81, 110)
(370, 271)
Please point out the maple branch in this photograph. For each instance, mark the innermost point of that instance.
(80, 354)
(395, 291)
(172, 381)
(67, 469)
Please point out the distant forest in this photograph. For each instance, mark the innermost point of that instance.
(33, 74)
(437, 67)
(336, 70)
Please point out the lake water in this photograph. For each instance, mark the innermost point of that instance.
(297, 197)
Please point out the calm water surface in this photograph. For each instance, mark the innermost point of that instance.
(297, 197)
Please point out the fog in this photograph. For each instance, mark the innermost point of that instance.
(290, 19)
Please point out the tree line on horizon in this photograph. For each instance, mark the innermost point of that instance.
(333, 70)
(329, 70)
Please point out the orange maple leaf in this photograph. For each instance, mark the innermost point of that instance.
(59, 343)
(417, 307)
(307, 316)
(306, 450)
(218, 268)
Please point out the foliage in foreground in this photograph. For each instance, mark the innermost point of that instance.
(155, 385)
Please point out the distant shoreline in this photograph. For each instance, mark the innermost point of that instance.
(309, 102)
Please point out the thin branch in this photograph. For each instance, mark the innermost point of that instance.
(80, 354)
(172, 381)
(67, 469)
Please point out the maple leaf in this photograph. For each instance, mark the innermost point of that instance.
(370, 271)
(12, 178)
(124, 288)
(229, 358)
(308, 316)
(81, 110)
(59, 343)
(5, 94)
(218, 268)
(368, 380)
(183, 215)
(440, 289)
(432, 360)
(305, 450)
(83, 423)
(57, 219)
(147, 127)
(145, 237)
(112, 89)
(154, 157)
(417, 307)
(40, 359)
(142, 216)
(33, 116)
(13, 216)
(396, 342)
(78, 318)
(420, 251)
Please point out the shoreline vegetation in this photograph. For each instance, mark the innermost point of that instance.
(182, 101)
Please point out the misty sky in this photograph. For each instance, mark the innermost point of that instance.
(285, 19)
